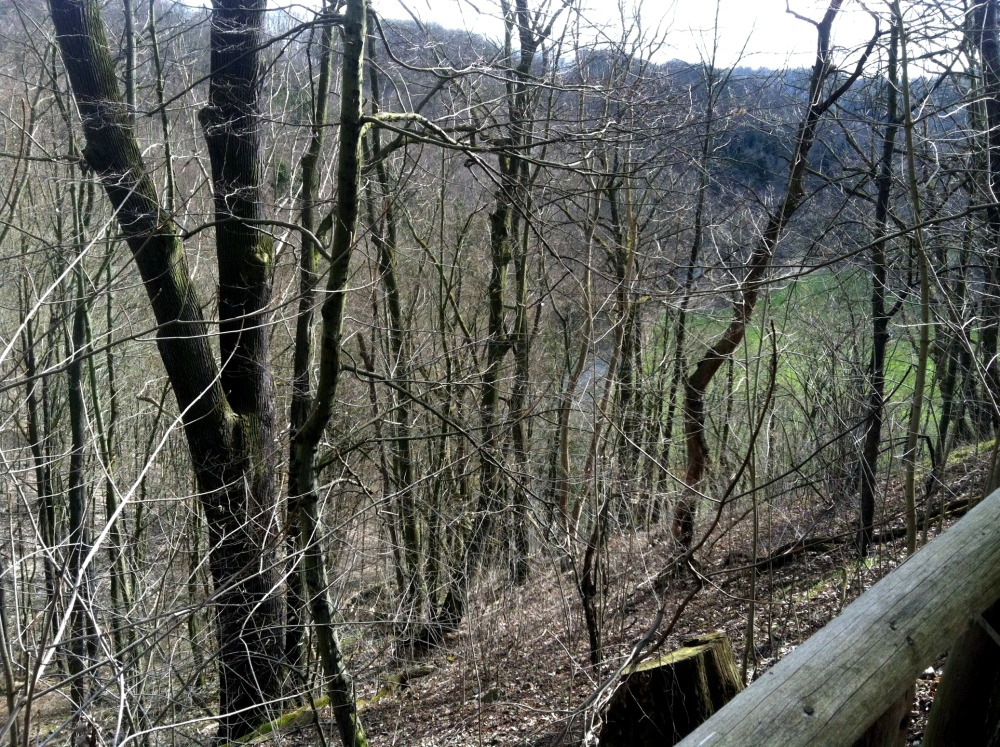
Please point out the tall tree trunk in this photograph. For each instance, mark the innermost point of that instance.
(623, 260)
(880, 319)
(304, 328)
(712, 87)
(984, 23)
(383, 226)
(307, 438)
(520, 389)
(227, 410)
(81, 644)
(696, 384)
(966, 708)
(923, 272)
(243, 540)
(505, 225)
(39, 430)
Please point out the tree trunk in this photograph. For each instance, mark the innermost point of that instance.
(304, 330)
(307, 438)
(985, 20)
(39, 428)
(757, 265)
(505, 222)
(227, 411)
(384, 235)
(880, 319)
(923, 271)
(82, 642)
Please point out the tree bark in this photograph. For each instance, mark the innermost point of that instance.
(307, 438)
(505, 225)
(227, 410)
(81, 647)
(923, 272)
(665, 698)
(304, 331)
(985, 20)
(384, 236)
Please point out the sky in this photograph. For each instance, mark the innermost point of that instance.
(751, 33)
(754, 33)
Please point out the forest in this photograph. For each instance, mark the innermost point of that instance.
(371, 381)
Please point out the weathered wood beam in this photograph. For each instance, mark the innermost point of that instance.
(834, 685)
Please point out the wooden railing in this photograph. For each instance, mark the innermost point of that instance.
(832, 687)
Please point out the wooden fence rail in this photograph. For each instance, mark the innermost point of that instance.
(833, 686)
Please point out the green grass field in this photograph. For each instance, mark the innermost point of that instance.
(822, 329)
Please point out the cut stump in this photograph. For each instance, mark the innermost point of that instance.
(666, 698)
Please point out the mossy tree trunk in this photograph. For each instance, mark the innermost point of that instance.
(227, 408)
(306, 439)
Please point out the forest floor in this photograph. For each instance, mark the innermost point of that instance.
(518, 672)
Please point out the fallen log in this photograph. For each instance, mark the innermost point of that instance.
(832, 687)
(790, 551)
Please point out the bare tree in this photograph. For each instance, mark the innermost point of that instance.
(227, 406)
(755, 273)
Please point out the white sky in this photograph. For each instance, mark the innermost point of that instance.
(758, 33)
(751, 33)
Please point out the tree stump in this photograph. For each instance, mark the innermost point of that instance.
(666, 698)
